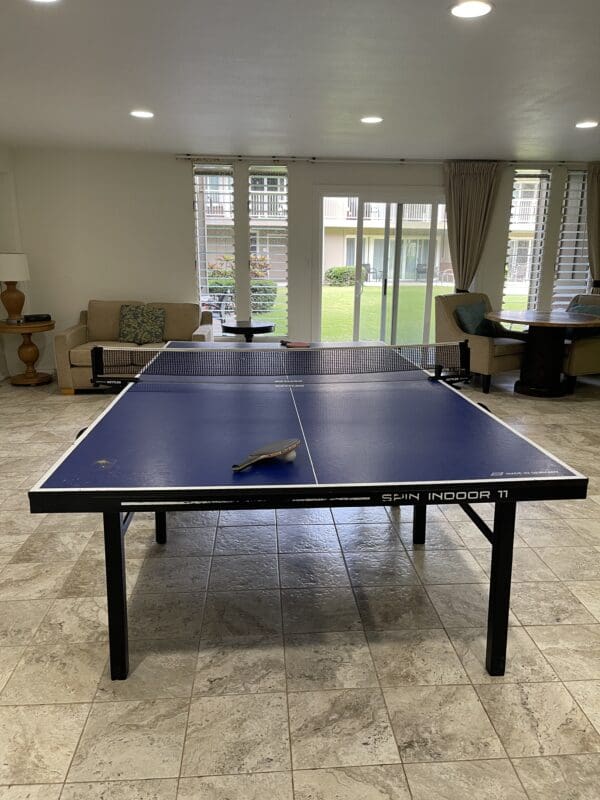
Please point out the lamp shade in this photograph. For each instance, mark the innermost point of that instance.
(13, 267)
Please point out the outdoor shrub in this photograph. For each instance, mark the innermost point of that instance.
(342, 276)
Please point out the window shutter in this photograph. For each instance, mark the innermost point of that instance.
(572, 269)
(526, 237)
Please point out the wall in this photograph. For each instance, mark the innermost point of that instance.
(103, 225)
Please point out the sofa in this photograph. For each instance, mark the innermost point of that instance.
(488, 354)
(99, 326)
(583, 350)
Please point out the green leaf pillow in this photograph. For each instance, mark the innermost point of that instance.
(471, 319)
(141, 324)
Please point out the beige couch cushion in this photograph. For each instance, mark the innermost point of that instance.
(505, 347)
(181, 319)
(103, 319)
(81, 356)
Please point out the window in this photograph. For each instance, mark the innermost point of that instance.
(222, 287)
(269, 245)
(527, 229)
(572, 270)
(215, 249)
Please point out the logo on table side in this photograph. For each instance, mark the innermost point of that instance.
(460, 496)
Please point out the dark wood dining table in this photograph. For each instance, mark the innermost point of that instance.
(541, 368)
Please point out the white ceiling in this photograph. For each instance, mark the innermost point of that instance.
(293, 77)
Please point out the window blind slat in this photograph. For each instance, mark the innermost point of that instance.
(572, 271)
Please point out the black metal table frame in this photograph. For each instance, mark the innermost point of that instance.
(500, 535)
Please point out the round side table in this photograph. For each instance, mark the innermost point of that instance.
(248, 328)
(28, 351)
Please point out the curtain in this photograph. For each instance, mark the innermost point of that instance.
(470, 192)
(593, 224)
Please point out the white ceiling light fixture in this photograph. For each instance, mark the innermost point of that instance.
(371, 120)
(470, 9)
(44, 1)
(141, 113)
(587, 123)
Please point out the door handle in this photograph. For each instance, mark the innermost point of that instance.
(385, 280)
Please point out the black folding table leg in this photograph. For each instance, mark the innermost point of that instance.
(114, 549)
(500, 579)
(419, 522)
(160, 518)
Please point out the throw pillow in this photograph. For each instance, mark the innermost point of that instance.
(471, 319)
(141, 325)
(583, 333)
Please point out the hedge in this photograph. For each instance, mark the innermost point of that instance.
(263, 293)
(342, 276)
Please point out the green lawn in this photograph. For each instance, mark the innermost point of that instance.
(338, 311)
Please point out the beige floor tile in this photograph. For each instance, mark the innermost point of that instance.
(549, 533)
(303, 516)
(39, 791)
(439, 536)
(319, 609)
(524, 661)
(18, 522)
(572, 563)
(538, 719)
(247, 517)
(168, 616)
(396, 607)
(74, 619)
(9, 658)
(240, 666)
(573, 650)
(484, 780)
(44, 546)
(233, 614)
(589, 594)
(367, 514)
(37, 742)
(424, 657)
(192, 519)
(381, 568)
(560, 777)
(302, 538)
(246, 540)
(88, 577)
(235, 734)
(328, 661)
(58, 673)
(340, 729)
(547, 604)
(448, 566)
(130, 741)
(157, 669)
(10, 543)
(527, 565)
(462, 605)
(303, 570)
(265, 786)
(165, 789)
(19, 620)
(158, 575)
(239, 573)
(587, 694)
(368, 536)
(441, 723)
(181, 542)
(33, 581)
(385, 782)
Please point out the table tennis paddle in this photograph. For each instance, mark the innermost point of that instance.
(284, 449)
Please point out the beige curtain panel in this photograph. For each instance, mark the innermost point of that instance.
(593, 224)
(470, 193)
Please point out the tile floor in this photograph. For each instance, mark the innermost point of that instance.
(298, 655)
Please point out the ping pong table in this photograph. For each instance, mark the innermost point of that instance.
(375, 429)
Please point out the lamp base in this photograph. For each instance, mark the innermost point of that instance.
(13, 300)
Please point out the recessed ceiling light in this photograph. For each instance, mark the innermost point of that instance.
(140, 113)
(469, 9)
(371, 120)
(44, 1)
(587, 123)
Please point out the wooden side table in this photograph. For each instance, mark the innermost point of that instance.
(28, 352)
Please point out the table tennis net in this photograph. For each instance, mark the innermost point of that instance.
(122, 365)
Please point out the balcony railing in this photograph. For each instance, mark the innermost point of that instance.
(263, 205)
(346, 208)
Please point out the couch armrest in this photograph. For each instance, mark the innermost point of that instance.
(203, 333)
(63, 342)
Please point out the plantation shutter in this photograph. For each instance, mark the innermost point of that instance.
(572, 269)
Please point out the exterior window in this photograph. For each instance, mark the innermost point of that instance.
(572, 268)
(526, 238)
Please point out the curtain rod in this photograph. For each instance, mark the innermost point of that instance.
(228, 159)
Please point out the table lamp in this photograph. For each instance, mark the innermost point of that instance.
(13, 268)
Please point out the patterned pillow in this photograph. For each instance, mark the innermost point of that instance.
(141, 324)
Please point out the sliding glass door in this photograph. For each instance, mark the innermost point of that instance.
(382, 264)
